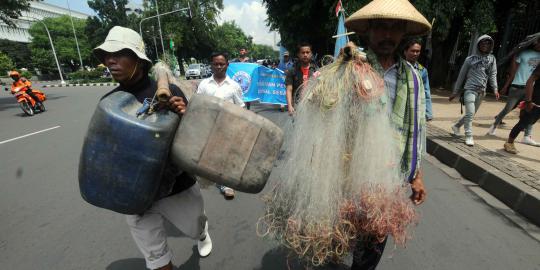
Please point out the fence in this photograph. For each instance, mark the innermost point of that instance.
(516, 29)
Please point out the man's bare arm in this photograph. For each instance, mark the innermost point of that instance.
(529, 88)
(511, 74)
(418, 189)
(290, 99)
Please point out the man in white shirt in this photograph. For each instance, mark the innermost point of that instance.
(222, 86)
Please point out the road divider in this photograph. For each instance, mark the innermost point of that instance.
(28, 135)
(79, 84)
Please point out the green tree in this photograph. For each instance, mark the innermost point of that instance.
(18, 52)
(461, 18)
(304, 21)
(11, 9)
(259, 51)
(64, 43)
(109, 13)
(43, 60)
(286, 18)
(229, 38)
(5, 64)
(194, 36)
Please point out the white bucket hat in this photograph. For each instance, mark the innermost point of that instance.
(120, 38)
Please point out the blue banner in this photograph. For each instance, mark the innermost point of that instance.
(259, 83)
(342, 38)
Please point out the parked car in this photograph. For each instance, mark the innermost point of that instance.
(195, 71)
(208, 70)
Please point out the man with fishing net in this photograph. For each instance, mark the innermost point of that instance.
(355, 145)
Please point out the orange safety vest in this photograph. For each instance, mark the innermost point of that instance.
(20, 82)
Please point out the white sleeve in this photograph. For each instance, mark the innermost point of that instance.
(238, 98)
(200, 88)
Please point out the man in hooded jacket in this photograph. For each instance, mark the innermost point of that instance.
(477, 71)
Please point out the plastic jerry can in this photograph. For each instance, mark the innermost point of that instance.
(226, 144)
(124, 156)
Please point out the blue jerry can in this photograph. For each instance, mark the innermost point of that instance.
(124, 156)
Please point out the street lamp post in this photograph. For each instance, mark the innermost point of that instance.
(155, 44)
(151, 17)
(153, 33)
(159, 25)
(52, 46)
(74, 34)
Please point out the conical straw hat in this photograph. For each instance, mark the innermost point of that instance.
(389, 9)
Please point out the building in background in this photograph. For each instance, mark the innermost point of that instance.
(133, 8)
(39, 11)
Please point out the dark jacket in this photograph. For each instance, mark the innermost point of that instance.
(295, 78)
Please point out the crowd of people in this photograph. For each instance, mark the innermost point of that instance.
(406, 84)
(479, 71)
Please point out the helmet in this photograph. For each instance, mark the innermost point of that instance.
(14, 73)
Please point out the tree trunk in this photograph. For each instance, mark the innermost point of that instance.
(442, 51)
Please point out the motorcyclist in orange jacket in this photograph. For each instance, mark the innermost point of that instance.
(19, 81)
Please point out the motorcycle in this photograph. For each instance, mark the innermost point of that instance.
(27, 103)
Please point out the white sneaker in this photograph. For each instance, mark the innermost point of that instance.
(456, 130)
(491, 131)
(529, 140)
(228, 192)
(469, 141)
(205, 245)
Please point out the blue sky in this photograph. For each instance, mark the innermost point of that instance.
(250, 15)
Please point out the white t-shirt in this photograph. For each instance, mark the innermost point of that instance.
(228, 90)
(527, 60)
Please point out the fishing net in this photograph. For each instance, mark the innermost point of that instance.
(338, 181)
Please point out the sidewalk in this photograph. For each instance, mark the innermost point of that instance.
(446, 113)
(513, 179)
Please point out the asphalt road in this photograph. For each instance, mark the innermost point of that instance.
(44, 223)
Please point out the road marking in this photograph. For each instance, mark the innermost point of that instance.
(30, 134)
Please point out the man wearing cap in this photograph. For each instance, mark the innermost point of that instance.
(382, 24)
(179, 198)
(287, 63)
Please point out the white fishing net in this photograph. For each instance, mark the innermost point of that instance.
(339, 179)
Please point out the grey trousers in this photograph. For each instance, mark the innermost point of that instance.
(184, 210)
(473, 100)
(515, 95)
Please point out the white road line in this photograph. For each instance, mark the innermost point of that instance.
(30, 134)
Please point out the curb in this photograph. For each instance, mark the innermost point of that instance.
(80, 84)
(516, 195)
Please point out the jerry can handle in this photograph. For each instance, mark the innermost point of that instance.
(163, 93)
